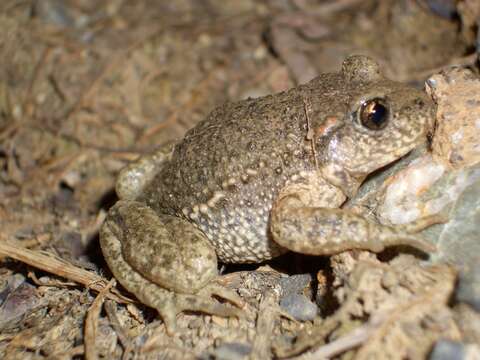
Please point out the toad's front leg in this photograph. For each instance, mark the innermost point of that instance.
(164, 260)
(302, 227)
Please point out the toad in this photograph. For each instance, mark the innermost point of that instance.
(258, 178)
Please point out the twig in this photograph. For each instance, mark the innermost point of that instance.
(36, 72)
(54, 283)
(268, 309)
(355, 338)
(335, 6)
(91, 322)
(69, 354)
(110, 309)
(47, 262)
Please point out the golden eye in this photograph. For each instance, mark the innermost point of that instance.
(374, 114)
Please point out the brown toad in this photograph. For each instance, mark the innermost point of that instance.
(258, 178)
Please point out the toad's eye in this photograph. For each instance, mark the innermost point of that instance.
(373, 114)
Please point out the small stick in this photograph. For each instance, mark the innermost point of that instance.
(47, 262)
(91, 322)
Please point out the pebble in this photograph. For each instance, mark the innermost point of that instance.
(299, 307)
(468, 289)
(10, 285)
(448, 350)
(53, 12)
(232, 351)
(454, 350)
(294, 284)
(444, 8)
(17, 305)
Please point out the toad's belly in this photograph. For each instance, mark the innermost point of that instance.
(240, 235)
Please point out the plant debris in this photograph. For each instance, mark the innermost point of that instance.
(88, 86)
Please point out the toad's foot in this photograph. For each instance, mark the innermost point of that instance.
(325, 231)
(166, 262)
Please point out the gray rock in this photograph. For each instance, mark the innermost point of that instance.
(459, 240)
(294, 284)
(454, 350)
(448, 350)
(53, 12)
(18, 304)
(468, 289)
(456, 193)
(232, 351)
(445, 8)
(299, 307)
(13, 282)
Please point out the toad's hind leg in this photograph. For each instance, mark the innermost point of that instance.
(165, 261)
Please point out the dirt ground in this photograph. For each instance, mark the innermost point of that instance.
(86, 86)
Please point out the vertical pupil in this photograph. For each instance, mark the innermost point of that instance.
(377, 114)
(374, 114)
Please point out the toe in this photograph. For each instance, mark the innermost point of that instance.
(206, 305)
(224, 293)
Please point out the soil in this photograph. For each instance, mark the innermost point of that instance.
(86, 86)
